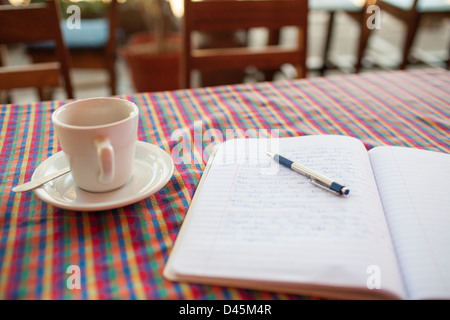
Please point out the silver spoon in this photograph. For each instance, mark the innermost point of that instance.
(40, 181)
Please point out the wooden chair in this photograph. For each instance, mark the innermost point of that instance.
(92, 46)
(353, 9)
(27, 24)
(230, 15)
(411, 13)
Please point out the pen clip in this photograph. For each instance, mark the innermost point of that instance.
(321, 185)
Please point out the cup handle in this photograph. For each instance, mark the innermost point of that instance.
(105, 154)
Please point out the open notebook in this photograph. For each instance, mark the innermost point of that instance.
(255, 224)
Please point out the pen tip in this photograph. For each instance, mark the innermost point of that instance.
(270, 154)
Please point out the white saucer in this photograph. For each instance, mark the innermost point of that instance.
(153, 168)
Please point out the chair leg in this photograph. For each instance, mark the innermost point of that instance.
(363, 40)
(327, 46)
(448, 58)
(110, 65)
(273, 39)
(45, 94)
(112, 80)
(5, 97)
(412, 27)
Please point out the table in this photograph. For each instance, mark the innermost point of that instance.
(121, 253)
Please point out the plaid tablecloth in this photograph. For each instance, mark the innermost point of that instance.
(121, 253)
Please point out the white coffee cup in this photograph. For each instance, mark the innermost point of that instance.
(98, 137)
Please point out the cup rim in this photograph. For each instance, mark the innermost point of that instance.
(56, 121)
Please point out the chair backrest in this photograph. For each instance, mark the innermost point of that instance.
(29, 24)
(233, 15)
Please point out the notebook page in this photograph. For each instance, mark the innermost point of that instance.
(414, 186)
(256, 220)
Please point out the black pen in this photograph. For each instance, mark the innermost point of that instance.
(314, 177)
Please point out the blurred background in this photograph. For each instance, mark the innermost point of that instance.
(139, 22)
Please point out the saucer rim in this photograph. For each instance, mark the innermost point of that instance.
(100, 206)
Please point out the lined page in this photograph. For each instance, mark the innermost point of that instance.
(254, 219)
(414, 188)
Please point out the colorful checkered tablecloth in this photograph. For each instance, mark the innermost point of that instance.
(121, 253)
